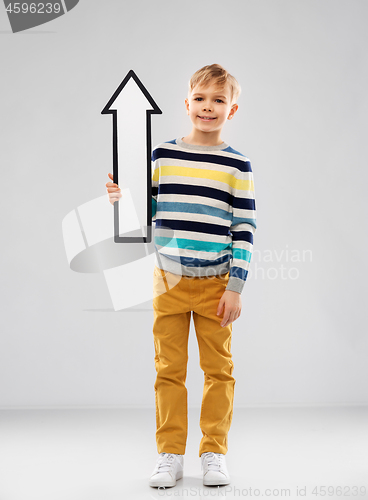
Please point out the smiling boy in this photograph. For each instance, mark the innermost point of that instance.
(204, 210)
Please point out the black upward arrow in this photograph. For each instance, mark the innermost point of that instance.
(126, 105)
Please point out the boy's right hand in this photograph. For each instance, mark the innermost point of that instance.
(113, 190)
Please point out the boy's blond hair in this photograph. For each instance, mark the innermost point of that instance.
(217, 74)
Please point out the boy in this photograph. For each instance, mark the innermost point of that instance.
(204, 208)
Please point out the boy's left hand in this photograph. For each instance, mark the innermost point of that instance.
(231, 302)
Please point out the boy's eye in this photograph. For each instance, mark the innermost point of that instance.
(201, 99)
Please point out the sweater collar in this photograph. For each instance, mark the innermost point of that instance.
(198, 147)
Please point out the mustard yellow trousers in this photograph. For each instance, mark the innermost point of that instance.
(175, 298)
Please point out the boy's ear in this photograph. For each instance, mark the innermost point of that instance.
(187, 105)
(234, 109)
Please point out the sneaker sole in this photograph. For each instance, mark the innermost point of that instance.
(219, 482)
(166, 484)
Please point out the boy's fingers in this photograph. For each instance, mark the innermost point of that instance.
(225, 321)
(225, 318)
(228, 317)
(111, 184)
(115, 196)
(220, 307)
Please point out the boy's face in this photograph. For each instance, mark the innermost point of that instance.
(209, 107)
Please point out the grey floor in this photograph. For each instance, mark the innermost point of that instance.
(108, 454)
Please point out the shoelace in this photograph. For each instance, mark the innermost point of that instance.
(214, 460)
(165, 462)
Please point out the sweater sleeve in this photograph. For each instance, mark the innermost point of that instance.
(243, 227)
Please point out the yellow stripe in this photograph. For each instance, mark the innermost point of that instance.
(199, 173)
(244, 185)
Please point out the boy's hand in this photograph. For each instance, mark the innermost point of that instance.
(231, 302)
(113, 190)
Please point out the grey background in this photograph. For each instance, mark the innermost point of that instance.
(302, 121)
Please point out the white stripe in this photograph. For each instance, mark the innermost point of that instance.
(209, 219)
(205, 237)
(196, 181)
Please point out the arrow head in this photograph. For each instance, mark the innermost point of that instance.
(131, 90)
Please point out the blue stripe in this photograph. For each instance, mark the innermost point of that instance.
(186, 244)
(238, 272)
(194, 208)
(243, 166)
(231, 150)
(192, 262)
(244, 203)
(193, 190)
(241, 220)
(242, 236)
(154, 207)
(197, 227)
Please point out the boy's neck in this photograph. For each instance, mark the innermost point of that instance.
(199, 138)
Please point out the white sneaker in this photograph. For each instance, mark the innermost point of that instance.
(214, 469)
(168, 469)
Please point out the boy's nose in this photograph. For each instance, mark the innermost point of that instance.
(206, 107)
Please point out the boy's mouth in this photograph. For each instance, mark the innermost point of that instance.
(206, 118)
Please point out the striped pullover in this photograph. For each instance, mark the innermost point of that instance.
(204, 210)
